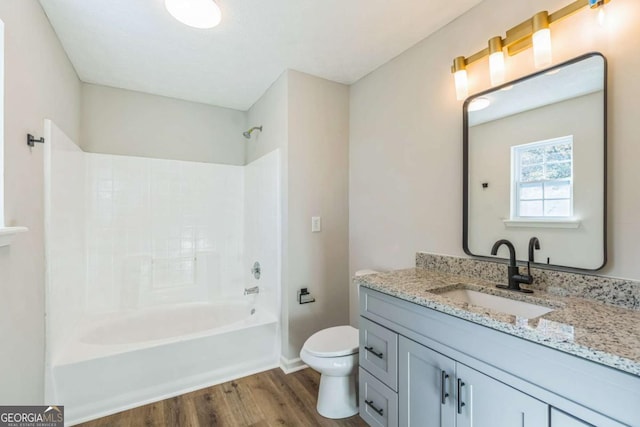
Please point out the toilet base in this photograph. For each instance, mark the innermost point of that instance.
(337, 397)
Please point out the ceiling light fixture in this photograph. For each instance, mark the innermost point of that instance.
(201, 14)
(478, 104)
(532, 32)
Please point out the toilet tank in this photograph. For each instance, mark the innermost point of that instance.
(359, 273)
(365, 272)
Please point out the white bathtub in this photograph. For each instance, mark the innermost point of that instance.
(126, 360)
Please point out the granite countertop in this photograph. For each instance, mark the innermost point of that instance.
(593, 330)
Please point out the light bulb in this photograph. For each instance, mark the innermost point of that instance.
(496, 61)
(542, 48)
(602, 16)
(459, 70)
(541, 40)
(462, 91)
(201, 14)
(496, 68)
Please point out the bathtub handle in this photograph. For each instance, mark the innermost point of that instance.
(375, 353)
(256, 270)
(250, 291)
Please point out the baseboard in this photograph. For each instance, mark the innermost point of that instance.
(289, 366)
(179, 390)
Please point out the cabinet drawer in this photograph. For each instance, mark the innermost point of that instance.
(378, 403)
(560, 419)
(379, 352)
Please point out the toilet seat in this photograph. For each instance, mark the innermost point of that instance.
(333, 342)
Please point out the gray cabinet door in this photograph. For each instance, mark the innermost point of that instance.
(486, 402)
(426, 390)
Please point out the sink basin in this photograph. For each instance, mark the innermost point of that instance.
(494, 302)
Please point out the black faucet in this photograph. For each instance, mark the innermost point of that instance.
(513, 272)
(534, 243)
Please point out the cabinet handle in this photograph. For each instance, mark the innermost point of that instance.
(461, 404)
(375, 353)
(370, 404)
(443, 387)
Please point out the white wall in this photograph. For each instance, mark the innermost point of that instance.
(39, 83)
(406, 135)
(117, 121)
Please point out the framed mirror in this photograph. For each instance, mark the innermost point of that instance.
(535, 166)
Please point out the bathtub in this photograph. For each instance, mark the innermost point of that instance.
(126, 360)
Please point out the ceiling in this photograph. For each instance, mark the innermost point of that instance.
(137, 45)
(565, 82)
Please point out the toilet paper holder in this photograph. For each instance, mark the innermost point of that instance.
(304, 296)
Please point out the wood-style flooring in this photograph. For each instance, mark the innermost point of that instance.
(267, 399)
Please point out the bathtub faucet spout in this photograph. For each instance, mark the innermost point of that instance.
(253, 290)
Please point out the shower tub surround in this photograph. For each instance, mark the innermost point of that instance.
(147, 261)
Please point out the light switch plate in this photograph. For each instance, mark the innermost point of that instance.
(316, 224)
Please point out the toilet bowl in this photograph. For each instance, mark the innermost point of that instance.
(334, 353)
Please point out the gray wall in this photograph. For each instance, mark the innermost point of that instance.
(308, 119)
(318, 186)
(117, 121)
(405, 144)
(39, 83)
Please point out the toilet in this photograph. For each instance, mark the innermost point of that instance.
(334, 353)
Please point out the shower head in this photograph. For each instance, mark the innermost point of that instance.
(247, 134)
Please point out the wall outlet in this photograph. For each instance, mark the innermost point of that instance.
(316, 224)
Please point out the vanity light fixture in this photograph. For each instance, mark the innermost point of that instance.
(202, 14)
(532, 32)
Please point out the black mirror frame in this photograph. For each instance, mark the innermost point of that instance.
(465, 166)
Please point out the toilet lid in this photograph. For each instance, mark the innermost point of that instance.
(333, 342)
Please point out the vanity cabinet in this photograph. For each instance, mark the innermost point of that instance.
(435, 390)
(429, 369)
